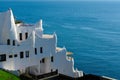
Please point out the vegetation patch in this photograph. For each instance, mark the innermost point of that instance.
(4, 75)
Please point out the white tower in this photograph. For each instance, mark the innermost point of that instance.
(7, 28)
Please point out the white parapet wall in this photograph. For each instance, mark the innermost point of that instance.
(65, 65)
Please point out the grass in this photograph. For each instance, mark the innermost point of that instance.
(4, 75)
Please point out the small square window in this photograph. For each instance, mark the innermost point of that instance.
(2, 57)
(10, 56)
(15, 55)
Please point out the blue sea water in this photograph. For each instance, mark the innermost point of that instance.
(91, 30)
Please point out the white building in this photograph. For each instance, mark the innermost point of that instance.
(24, 47)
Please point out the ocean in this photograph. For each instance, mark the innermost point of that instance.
(91, 30)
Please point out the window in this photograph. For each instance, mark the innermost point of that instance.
(43, 60)
(15, 55)
(26, 35)
(13, 42)
(2, 57)
(56, 71)
(8, 42)
(20, 35)
(21, 54)
(40, 61)
(36, 51)
(52, 59)
(27, 54)
(10, 56)
(51, 70)
(41, 50)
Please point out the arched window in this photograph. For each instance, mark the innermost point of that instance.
(8, 42)
(26, 35)
(41, 49)
(21, 55)
(52, 59)
(20, 36)
(13, 42)
(43, 60)
(27, 54)
(35, 51)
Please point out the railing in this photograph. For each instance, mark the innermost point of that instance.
(47, 75)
